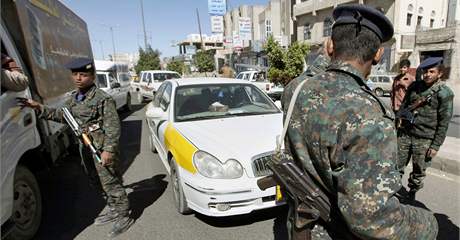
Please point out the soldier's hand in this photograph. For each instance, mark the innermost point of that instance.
(25, 102)
(431, 153)
(106, 158)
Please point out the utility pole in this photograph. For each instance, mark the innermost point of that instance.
(199, 28)
(113, 45)
(102, 49)
(143, 24)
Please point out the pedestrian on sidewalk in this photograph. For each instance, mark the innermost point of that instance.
(422, 137)
(343, 136)
(227, 72)
(400, 84)
(96, 113)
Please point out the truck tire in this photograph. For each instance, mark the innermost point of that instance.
(27, 206)
(379, 92)
(178, 193)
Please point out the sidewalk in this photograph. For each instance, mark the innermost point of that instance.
(448, 157)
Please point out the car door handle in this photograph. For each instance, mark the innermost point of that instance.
(27, 120)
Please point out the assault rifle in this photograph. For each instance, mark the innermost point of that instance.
(309, 201)
(82, 136)
(408, 113)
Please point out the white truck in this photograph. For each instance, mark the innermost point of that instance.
(41, 36)
(114, 79)
(259, 79)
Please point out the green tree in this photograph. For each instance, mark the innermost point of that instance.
(176, 66)
(149, 59)
(204, 61)
(285, 65)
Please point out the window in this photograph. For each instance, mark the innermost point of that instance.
(158, 95)
(431, 23)
(307, 32)
(166, 97)
(240, 76)
(409, 19)
(327, 27)
(268, 27)
(101, 81)
(419, 20)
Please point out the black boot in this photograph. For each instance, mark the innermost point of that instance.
(106, 217)
(122, 224)
(411, 196)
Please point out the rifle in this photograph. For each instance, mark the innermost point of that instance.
(407, 114)
(82, 136)
(309, 201)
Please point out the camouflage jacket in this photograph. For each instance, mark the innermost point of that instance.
(344, 136)
(432, 119)
(96, 111)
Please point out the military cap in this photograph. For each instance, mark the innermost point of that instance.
(80, 65)
(430, 62)
(364, 16)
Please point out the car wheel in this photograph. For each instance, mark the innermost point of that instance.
(152, 146)
(128, 106)
(178, 193)
(27, 205)
(379, 92)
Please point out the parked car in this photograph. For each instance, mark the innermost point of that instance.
(114, 79)
(382, 83)
(260, 80)
(213, 136)
(150, 81)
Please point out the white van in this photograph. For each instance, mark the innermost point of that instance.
(114, 79)
(150, 81)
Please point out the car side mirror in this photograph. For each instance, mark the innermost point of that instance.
(116, 85)
(155, 113)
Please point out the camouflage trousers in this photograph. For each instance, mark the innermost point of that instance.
(107, 180)
(417, 148)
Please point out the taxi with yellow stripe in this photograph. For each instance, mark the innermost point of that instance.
(214, 136)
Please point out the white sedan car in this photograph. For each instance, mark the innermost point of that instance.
(214, 136)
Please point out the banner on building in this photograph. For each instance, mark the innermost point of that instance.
(245, 28)
(217, 7)
(217, 24)
(237, 41)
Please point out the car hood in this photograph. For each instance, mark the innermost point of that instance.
(240, 138)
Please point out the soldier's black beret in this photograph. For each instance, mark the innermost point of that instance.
(364, 16)
(430, 62)
(81, 65)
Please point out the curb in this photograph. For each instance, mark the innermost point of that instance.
(446, 165)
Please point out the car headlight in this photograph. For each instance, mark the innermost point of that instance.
(209, 166)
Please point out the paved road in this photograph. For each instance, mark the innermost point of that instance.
(71, 205)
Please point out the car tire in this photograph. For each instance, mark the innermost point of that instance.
(379, 92)
(152, 146)
(178, 193)
(27, 205)
(128, 106)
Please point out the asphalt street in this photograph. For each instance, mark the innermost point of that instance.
(70, 204)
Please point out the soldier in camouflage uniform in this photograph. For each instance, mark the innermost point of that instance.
(422, 139)
(95, 112)
(344, 137)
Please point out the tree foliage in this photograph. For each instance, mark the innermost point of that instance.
(204, 61)
(285, 65)
(149, 59)
(176, 66)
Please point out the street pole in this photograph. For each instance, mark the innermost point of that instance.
(199, 28)
(113, 45)
(143, 24)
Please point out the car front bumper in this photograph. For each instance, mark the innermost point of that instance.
(225, 197)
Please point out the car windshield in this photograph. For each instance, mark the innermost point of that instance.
(101, 80)
(220, 101)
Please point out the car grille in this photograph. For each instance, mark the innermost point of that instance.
(259, 164)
